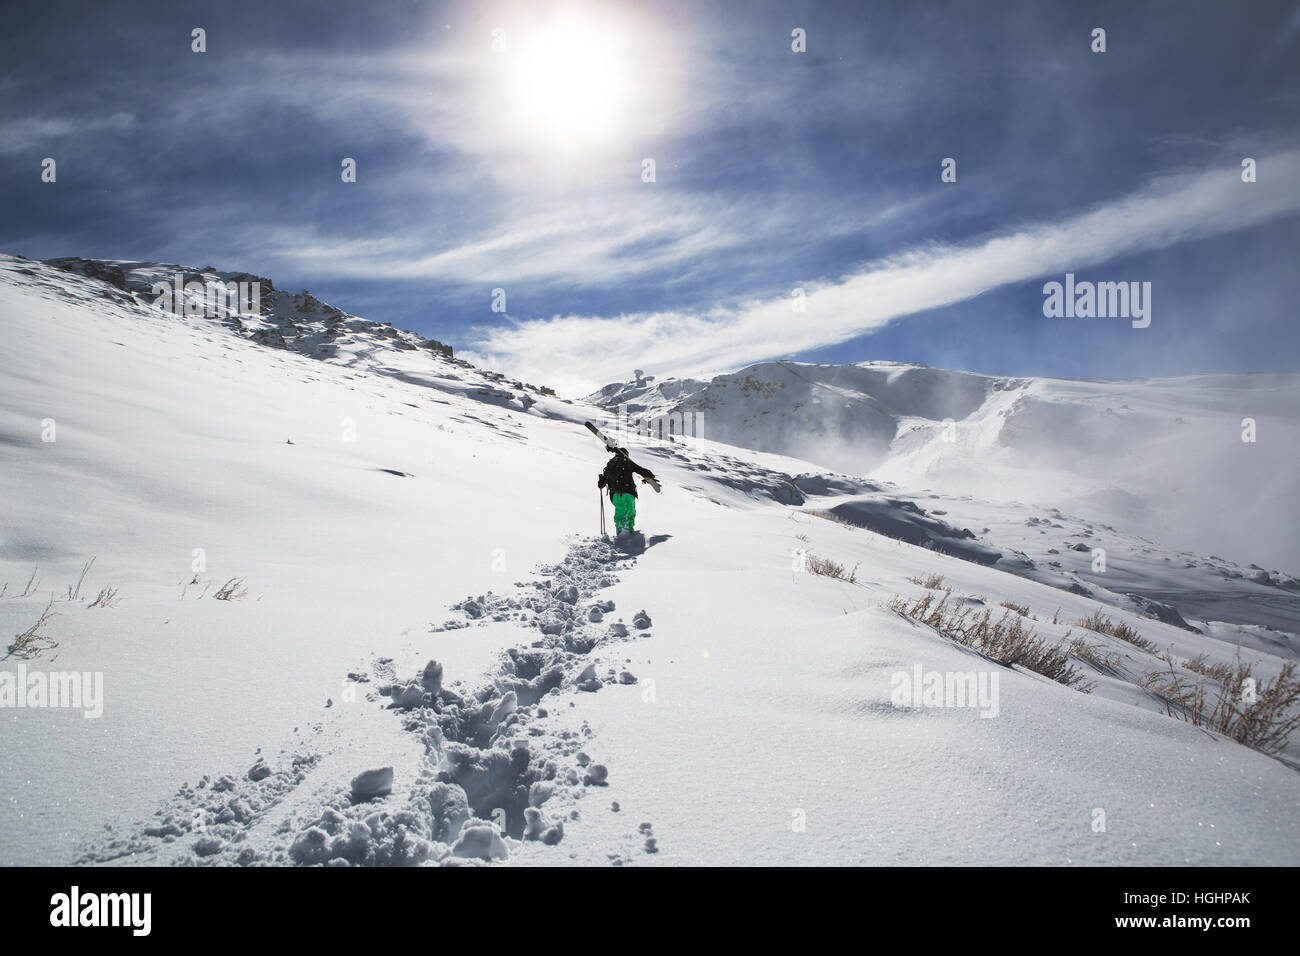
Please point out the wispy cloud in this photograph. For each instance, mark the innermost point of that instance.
(577, 244)
(24, 134)
(1170, 210)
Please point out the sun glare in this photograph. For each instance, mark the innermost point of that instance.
(570, 84)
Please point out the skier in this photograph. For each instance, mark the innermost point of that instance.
(617, 477)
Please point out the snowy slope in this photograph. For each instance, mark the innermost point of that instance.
(386, 506)
(1163, 458)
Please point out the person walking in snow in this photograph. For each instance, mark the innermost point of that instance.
(617, 477)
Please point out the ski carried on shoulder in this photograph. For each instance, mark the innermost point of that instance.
(604, 439)
(614, 449)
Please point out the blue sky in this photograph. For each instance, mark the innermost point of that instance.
(520, 168)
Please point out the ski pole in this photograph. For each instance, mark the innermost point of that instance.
(602, 510)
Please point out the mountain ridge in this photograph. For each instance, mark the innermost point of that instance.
(1202, 460)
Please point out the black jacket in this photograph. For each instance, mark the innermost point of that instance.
(617, 476)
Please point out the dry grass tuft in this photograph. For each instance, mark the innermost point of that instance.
(1258, 714)
(1005, 640)
(1107, 662)
(74, 592)
(1096, 621)
(831, 569)
(107, 598)
(232, 590)
(31, 642)
(931, 581)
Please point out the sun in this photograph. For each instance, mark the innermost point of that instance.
(570, 84)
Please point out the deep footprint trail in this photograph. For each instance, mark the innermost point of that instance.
(491, 773)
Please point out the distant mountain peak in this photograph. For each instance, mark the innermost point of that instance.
(1156, 454)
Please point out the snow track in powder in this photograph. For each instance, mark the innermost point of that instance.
(489, 772)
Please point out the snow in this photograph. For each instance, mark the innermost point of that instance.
(784, 705)
(1163, 458)
(439, 661)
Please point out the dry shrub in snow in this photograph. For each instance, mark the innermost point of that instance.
(832, 569)
(31, 642)
(1096, 621)
(107, 598)
(931, 581)
(1006, 640)
(1259, 714)
(1105, 661)
(232, 590)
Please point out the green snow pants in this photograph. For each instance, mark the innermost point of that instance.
(624, 511)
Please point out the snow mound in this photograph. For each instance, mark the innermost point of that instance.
(904, 520)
